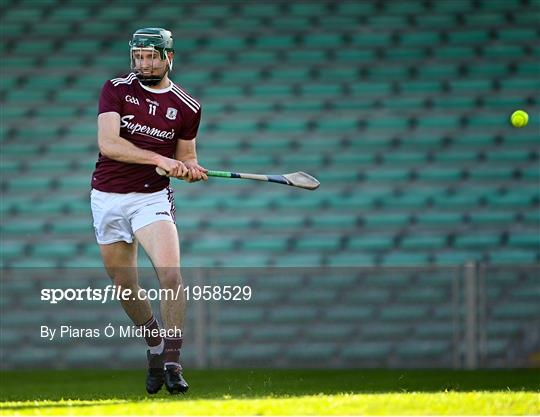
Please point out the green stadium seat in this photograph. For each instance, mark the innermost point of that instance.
(520, 84)
(81, 46)
(424, 295)
(469, 37)
(24, 14)
(266, 244)
(12, 249)
(308, 9)
(490, 70)
(420, 350)
(335, 332)
(382, 21)
(54, 250)
(93, 28)
(9, 168)
(42, 207)
(232, 223)
(73, 226)
(50, 166)
(350, 314)
(294, 314)
(502, 51)
(286, 23)
(485, 19)
(367, 351)
(324, 243)
(436, 20)
(390, 122)
(491, 218)
(531, 218)
(254, 353)
(29, 181)
(74, 182)
(355, 9)
(255, 57)
(404, 102)
(456, 156)
(323, 40)
(524, 240)
(386, 220)
(406, 259)
(384, 174)
(225, 43)
(70, 14)
(76, 96)
(466, 85)
(519, 310)
(388, 73)
(439, 71)
(55, 62)
(26, 96)
(404, 158)
(419, 38)
(334, 221)
(477, 241)
(344, 55)
(238, 76)
(405, 54)
(376, 242)
(490, 173)
(513, 256)
(298, 260)
(261, 9)
(318, 89)
(314, 296)
(404, 312)
(465, 199)
(311, 351)
(516, 198)
(288, 222)
(214, 245)
(371, 39)
(351, 259)
(57, 112)
(286, 125)
(452, 258)
(273, 333)
(452, 52)
(423, 242)
(49, 83)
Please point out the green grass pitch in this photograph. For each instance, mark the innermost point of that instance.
(275, 392)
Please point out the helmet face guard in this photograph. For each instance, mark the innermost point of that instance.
(153, 40)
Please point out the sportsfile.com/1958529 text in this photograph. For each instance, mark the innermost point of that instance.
(117, 293)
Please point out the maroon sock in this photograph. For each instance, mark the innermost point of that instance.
(172, 350)
(151, 332)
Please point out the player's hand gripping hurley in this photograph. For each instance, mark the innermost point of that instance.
(295, 179)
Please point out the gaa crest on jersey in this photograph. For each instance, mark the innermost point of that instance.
(171, 113)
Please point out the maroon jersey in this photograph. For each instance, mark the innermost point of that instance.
(150, 119)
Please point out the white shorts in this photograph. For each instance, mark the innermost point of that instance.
(118, 216)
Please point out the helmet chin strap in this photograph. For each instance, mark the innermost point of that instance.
(149, 81)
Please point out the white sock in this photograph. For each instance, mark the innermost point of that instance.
(158, 349)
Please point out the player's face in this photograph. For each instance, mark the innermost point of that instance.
(149, 63)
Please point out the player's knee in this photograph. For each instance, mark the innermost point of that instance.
(123, 281)
(170, 278)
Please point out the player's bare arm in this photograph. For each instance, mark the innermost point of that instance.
(186, 151)
(112, 145)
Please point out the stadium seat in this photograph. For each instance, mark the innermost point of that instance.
(418, 349)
